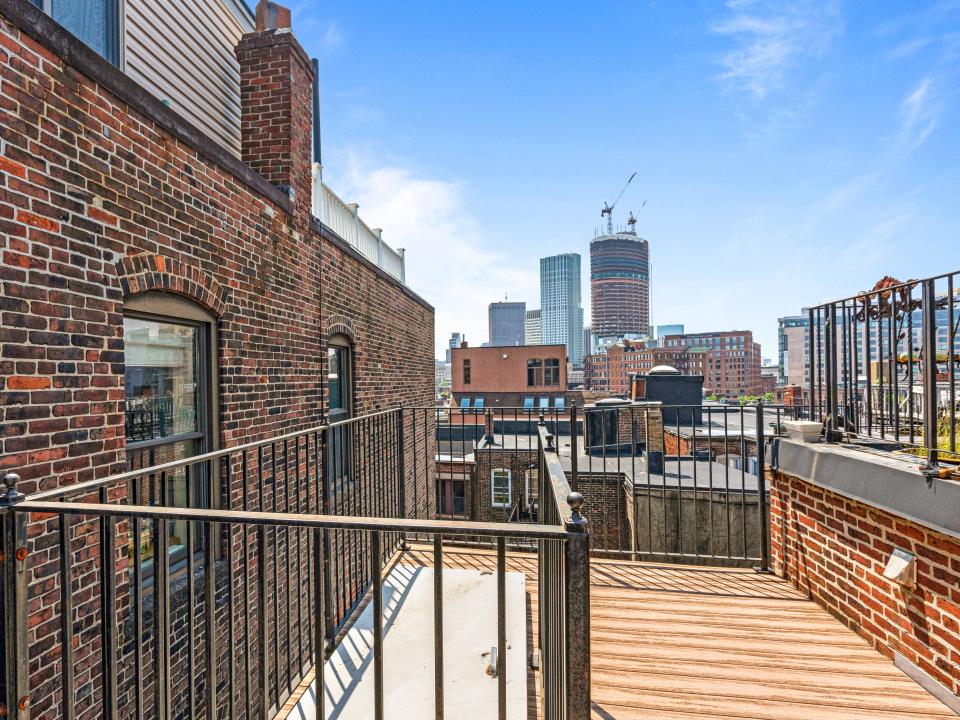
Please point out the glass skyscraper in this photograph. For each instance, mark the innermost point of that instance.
(561, 314)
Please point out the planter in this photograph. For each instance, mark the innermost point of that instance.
(804, 430)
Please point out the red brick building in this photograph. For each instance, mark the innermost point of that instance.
(528, 376)
(164, 295)
(610, 371)
(728, 361)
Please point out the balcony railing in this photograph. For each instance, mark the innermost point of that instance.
(666, 483)
(135, 607)
(884, 365)
(344, 219)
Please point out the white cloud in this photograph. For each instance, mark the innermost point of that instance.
(448, 258)
(772, 36)
(844, 195)
(919, 114)
(332, 38)
(909, 48)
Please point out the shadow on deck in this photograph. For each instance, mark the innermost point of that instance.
(677, 642)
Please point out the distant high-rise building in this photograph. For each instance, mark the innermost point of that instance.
(561, 314)
(664, 330)
(793, 346)
(454, 342)
(506, 323)
(533, 334)
(587, 340)
(620, 284)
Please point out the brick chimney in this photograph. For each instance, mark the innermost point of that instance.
(276, 109)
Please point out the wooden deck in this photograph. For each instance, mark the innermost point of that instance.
(676, 642)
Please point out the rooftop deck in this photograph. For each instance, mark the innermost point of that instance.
(676, 642)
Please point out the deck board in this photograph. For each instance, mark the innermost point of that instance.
(676, 642)
(681, 642)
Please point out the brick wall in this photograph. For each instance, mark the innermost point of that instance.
(513, 459)
(835, 549)
(105, 194)
(685, 444)
(608, 509)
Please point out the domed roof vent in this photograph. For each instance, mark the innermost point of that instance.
(612, 402)
(664, 370)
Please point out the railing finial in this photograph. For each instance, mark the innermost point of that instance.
(575, 501)
(10, 495)
(542, 420)
(550, 447)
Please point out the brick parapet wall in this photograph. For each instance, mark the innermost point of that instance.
(104, 195)
(835, 549)
(685, 444)
(607, 506)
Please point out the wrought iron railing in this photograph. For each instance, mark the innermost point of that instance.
(665, 483)
(134, 608)
(885, 364)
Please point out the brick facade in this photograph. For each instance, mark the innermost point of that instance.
(518, 462)
(106, 194)
(835, 549)
(608, 508)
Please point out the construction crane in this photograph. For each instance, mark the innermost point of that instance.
(632, 220)
(608, 209)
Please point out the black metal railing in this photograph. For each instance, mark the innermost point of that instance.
(667, 483)
(139, 608)
(884, 364)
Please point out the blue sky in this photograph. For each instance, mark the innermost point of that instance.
(788, 152)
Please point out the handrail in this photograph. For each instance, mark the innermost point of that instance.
(96, 484)
(909, 284)
(334, 522)
(568, 503)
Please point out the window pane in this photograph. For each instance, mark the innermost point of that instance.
(87, 19)
(178, 493)
(501, 487)
(459, 497)
(161, 381)
(338, 378)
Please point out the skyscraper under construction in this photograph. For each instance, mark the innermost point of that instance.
(620, 283)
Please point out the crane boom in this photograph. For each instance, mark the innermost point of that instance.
(608, 209)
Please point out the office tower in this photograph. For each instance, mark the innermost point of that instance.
(506, 321)
(561, 314)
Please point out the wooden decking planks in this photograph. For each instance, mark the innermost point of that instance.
(679, 642)
(676, 642)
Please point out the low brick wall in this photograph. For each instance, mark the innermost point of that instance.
(835, 549)
(608, 510)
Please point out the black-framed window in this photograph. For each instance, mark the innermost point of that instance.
(95, 22)
(339, 407)
(534, 372)
(466, 372)
(551, 371)
(167, 404)
(453, 496)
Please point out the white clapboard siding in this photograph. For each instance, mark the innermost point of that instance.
(183, 52)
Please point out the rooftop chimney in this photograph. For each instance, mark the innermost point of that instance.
(276, 104)
(272, 16)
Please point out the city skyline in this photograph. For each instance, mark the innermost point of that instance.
(804, 130)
